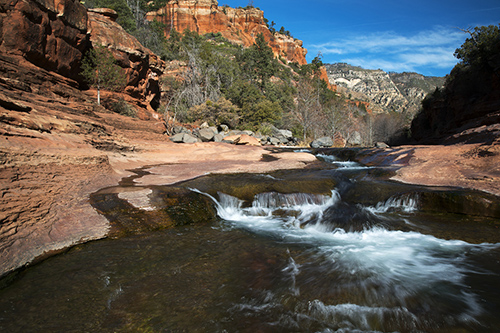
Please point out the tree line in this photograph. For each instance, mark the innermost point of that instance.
(247, 88)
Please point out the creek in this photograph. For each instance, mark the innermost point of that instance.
(336, 248)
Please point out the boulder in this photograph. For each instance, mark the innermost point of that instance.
(274, 141)
(184, 138)
(231, 138)
(324, 142)
(381, 145)
(177, 138)
(234, 133)
(249, 133)
(206, 134)
(218, 137)
(355, 139)
(247, 140)
(214, 129)
(180, 129)
(223, 128)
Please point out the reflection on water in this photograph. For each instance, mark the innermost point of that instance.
(274, 262)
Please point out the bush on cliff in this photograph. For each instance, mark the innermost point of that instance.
(480, 46)
(470, 92)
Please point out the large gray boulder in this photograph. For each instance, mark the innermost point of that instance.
(218, 137)
(355, 139)
(324, 142)
(184, 138)
(206, 134)
(180, 129)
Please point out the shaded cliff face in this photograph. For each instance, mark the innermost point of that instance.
(56, 34)
(51, 34)
(466, 109)
(400, 92)
(240, 26)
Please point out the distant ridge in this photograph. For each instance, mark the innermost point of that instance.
(386, 92)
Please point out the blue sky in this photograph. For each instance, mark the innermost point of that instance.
(417, 36)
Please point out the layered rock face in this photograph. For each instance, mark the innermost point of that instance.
(385, 92)
(51, 34)
(56, 34)
(142, 66)
(52, 140)
(240, 26)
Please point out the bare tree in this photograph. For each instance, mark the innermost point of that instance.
(307, 107)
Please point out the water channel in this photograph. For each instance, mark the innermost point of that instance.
(335, 248)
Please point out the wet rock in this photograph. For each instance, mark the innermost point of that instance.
(461, 202)
(138, 210)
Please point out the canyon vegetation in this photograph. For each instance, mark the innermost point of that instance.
(91, 91)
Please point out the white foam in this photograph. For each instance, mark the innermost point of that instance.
(400, 264)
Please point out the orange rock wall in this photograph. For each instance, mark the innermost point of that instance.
(141, 65)
(240, 26)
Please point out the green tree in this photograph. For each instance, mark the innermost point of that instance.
(100, 70)
(125, 16)
(258, 61)
(480, 46)
(265, 111)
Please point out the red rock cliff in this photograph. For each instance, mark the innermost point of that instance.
(142, 66)
(240, 26)
(51, 34)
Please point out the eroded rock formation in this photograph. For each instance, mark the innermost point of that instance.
(400, 92)
(56, 34)
(51, 34)
(142, 66)
(238, 25)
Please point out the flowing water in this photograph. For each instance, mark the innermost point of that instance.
(341, 250)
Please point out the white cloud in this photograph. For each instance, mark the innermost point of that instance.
(394, 51)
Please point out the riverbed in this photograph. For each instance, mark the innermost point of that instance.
(338, 247)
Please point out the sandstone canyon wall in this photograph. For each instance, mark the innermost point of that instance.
(51, 34)
(142, 66)
(240, 26)
(56, 34)
(53, 137)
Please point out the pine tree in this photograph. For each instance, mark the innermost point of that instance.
(100, 70)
